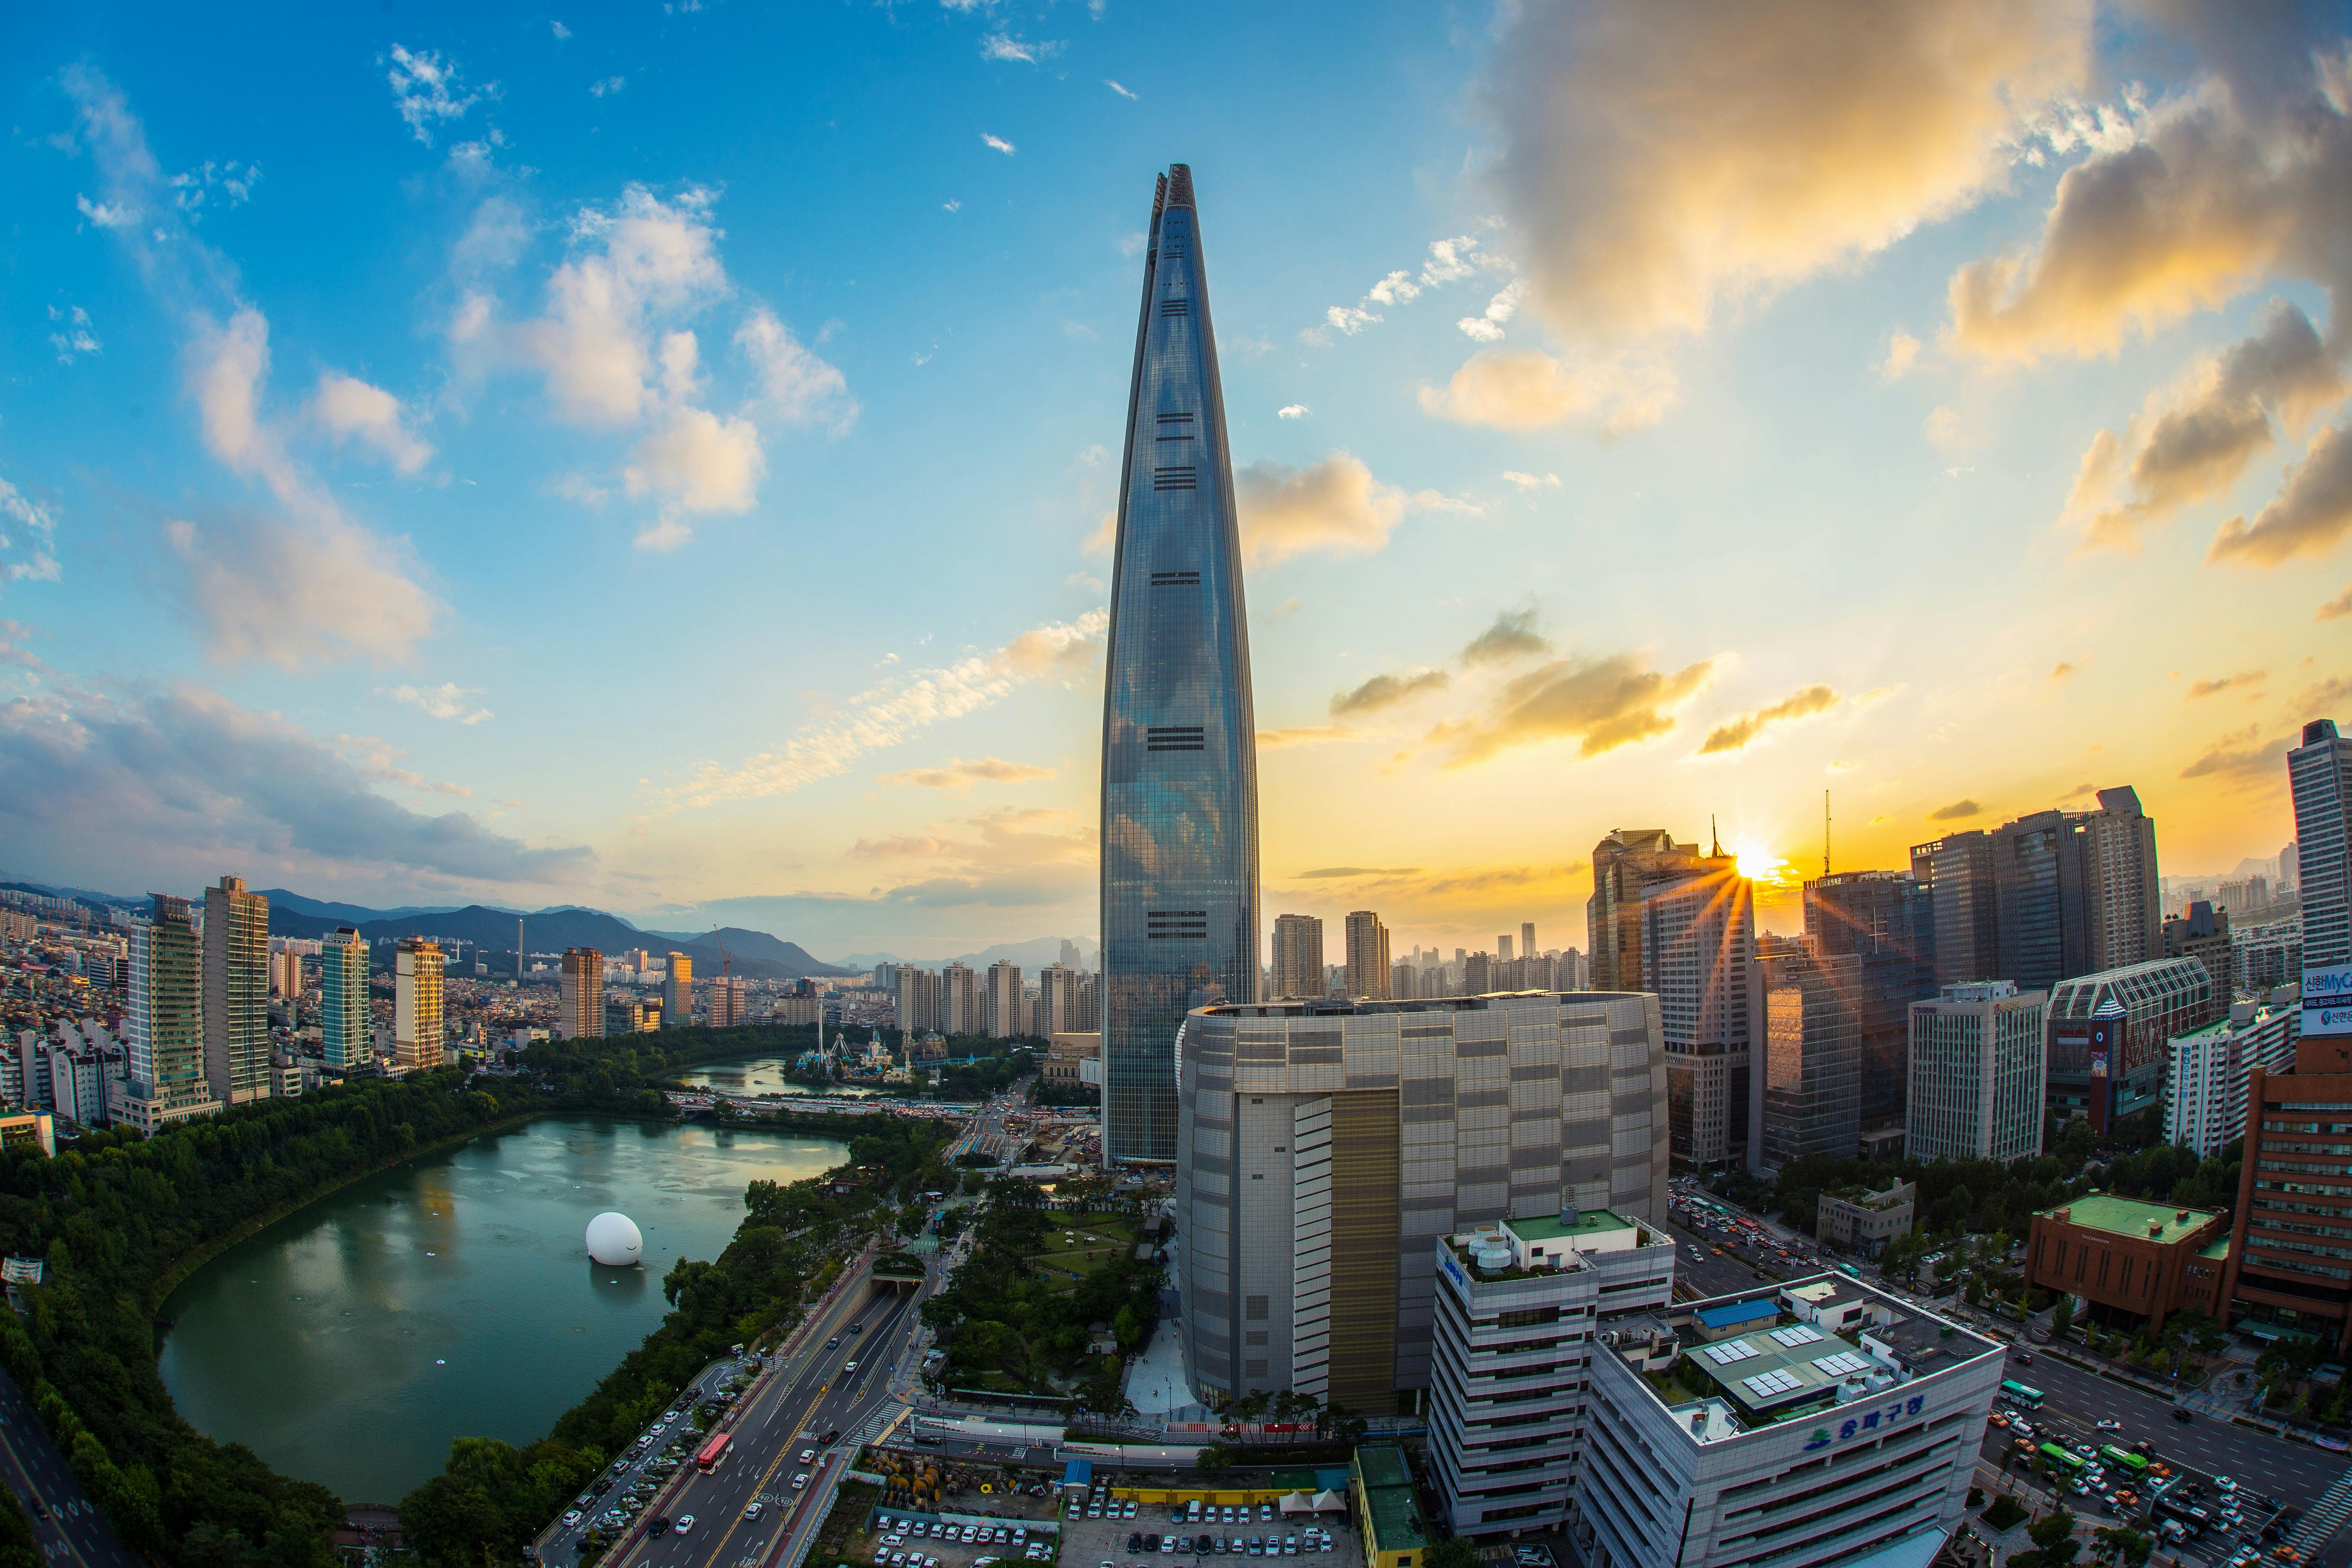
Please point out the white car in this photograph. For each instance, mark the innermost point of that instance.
(808, 1456)
(751, 1510)
(800, 1480)
(2111, 1424)
(684, 1523)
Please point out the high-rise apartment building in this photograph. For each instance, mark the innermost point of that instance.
(237, 992)
(1367, 956)
(2319, 776)
(725, 1003)
(959, 1000)
(1005, 1015)
(2122, 905)
(1503, 948)
(583, 1005)
(1179, 868)
(286, 976)
(346, 1029)
(1697, 949)
(1057, 1000)
(418, 1038)
(1811, 1058)
(165, 1064)
(919, 999)
(1326, 1148)
(1297, 958)
(1977, 1059)
(2203, 934)
(677, 992)
(1887, 919)
(2205, 1080)
(1527, 939)
(2107, 1034)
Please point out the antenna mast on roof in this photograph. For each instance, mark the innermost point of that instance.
(1715, 838)
(1825, 833)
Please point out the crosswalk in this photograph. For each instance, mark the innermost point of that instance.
(2324, 1517)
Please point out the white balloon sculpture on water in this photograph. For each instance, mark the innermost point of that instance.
(614, 1241)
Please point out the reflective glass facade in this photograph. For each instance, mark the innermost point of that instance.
(1180, 739)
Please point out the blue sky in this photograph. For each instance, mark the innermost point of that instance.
(656, 456)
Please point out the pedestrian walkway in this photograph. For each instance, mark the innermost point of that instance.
(2324, 1517)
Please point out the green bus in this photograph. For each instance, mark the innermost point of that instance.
(2021, 1396)
(2136, 1463)
(2064, 1457)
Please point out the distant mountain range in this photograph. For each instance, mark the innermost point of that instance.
(753, 954)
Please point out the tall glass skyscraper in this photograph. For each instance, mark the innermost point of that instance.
(1179, 735)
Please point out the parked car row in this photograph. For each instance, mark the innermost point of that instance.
(1306, 1543)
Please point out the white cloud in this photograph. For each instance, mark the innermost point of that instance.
(446, 700)
(1395, 289)
(999, 143)
(74, 334)
(426, 90)
(1334, 505)
(1902, 353)
(1116, 89)
(235, 181)
(1529, 389)
(1350, 319)
(105, 215)
(896, 711)
(696, 462)
(664, 535)
(609, 84)
(292, 596)
(227, 364)
(1003, 46)
(795, 384)
(1488, 328)
(350, 407)
(951, 204)
(1532, 481)
(645, 257)
(1291, 411)
(29, 555)
(562, 32)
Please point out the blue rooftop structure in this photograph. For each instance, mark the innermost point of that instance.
(1736, 1312)
(1078, 1473)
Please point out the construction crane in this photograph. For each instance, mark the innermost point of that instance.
(726, 964)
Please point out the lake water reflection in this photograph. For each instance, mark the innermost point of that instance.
(452, 1296)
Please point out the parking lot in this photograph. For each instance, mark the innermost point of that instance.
(898, 1537)
(1151, 1533)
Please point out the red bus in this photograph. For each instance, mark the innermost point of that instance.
(713, 1451)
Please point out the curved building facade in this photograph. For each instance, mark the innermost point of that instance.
(1180, 740)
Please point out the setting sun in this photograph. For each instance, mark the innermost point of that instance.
(1761, 865)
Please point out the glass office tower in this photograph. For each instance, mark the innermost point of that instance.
(1179, 738)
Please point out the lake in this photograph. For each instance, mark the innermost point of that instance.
(762, 1075)
(453, 1296)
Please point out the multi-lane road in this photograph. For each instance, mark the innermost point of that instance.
(807, 1395)
(69, 1529)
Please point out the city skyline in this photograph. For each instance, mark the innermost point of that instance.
(1574, 499)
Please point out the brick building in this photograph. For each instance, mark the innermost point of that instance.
(2133, 1263)
(2292, 1267)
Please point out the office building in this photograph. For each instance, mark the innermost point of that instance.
(237, 992)
(2202, 933)
(2290, 1261)
(2107, 1032)
(1623, 863)
(1325, 1148)
(1527, 939)
(1006, 1016)
(2050, 896)
(1978, 1055)
(724, 1002)
(1811, 1056)
(2134, 1264)
(165, 1070)
(959, 1000)
(1697, 952)
(1768, 1440)
(346, 1029)
(1367, 956)
(1297, 958)
(1515, 1327)
(1179, 868)
(2207, 1072)
(677, 992)
(2319, 776)
(418, 1040)
(1856, 1220)
(582, 1005)
(624, 1016)
(1885, 919)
